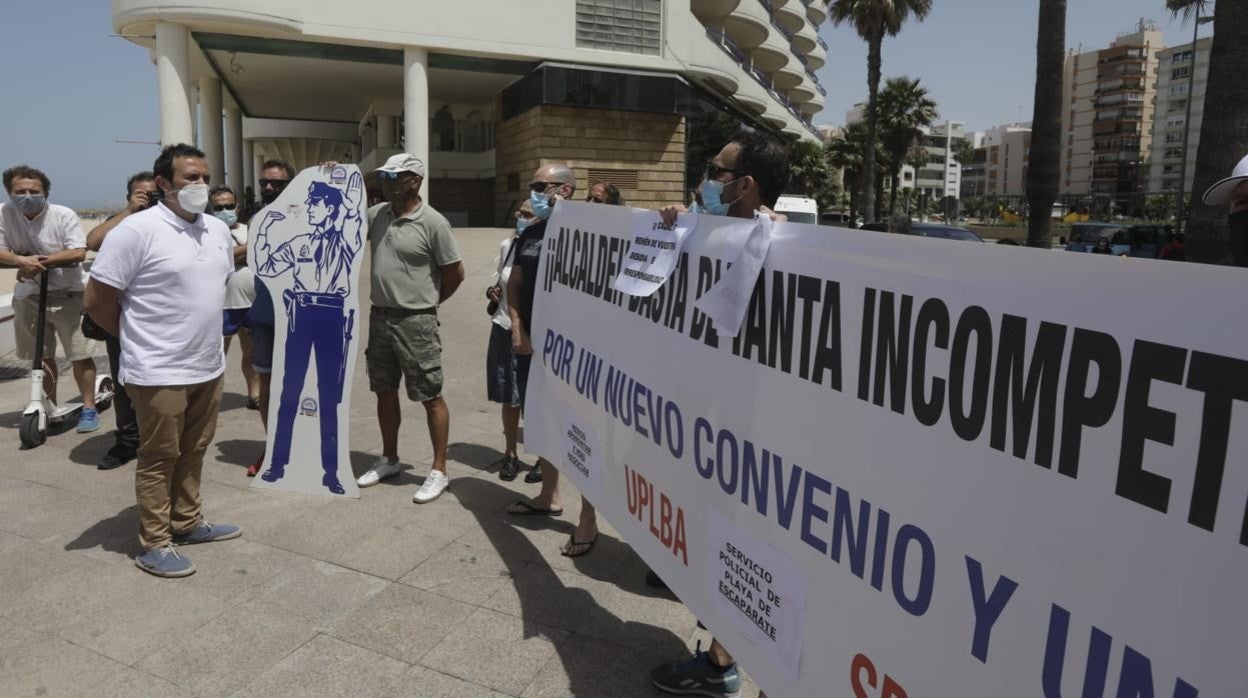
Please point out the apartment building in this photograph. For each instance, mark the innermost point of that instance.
(1180, 69)
(1007, 155)
(1108, 97)
(484, 92)
(942, 175)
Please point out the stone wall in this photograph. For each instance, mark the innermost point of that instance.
(645, 151)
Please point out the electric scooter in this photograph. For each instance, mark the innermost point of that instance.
(41, 412)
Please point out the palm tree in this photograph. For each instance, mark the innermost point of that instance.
(810, 173)
(873, 20)
(1224, 128)
(904, 108)
(846, 154)
(1043, 170)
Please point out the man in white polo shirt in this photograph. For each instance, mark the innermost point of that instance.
(34, 236)
(159, 284)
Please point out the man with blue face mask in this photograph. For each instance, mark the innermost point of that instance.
(240, 290)
(744, 180)
(550, 184)
(34, 236)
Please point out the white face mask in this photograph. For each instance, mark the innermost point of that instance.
(193, 198)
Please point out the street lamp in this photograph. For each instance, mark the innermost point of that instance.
(1187, 121)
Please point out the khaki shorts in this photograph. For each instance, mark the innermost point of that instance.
(63, 321)
(404, 347)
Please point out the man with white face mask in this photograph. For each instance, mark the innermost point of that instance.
(34, 236)
(158, 284)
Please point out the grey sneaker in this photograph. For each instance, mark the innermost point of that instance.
(208, 533)
(165, 562)
(381, 469)
(697, 677)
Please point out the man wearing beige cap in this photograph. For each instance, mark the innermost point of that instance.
(1234, 190)
(415, 267)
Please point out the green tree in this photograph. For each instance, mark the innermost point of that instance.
(1046, 131)
(873, 20)
(963, 151)
(1224, 127)
(810, 173)
(904, 109)
(846, 154)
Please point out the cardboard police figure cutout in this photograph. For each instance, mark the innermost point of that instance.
(306, 248)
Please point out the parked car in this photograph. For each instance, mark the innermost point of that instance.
(931, 230)
(1134, 240)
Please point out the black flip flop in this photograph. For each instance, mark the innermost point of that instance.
(530, 510)
(573, 542)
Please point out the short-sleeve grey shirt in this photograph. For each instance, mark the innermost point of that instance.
(407, 255)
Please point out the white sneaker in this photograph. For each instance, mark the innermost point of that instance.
(382, 469)
(433, 487)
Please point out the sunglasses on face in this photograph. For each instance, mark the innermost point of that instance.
(541, 187)
(594, 200)
(224, 207)
(273, 183)
(396, 176)
(714, 171)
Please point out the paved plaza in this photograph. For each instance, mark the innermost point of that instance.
(369, 597)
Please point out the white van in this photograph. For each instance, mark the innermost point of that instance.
(798, 209)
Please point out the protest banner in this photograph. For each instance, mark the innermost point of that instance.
(305, 247)
(921, 468)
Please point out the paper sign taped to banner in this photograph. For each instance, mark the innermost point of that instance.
(761, 590)
(653, 253)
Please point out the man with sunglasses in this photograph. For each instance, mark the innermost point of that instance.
(274, 176)
(415, 268)
(240, 290)
(551, 184)
(744, 180)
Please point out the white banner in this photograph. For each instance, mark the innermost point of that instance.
(922, 468)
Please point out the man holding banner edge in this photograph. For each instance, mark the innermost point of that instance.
(550, 184)
(744, 180)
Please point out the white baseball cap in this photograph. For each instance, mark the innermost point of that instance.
(1220, 192)
(404, 162)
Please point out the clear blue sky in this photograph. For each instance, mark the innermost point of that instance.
(72, 90)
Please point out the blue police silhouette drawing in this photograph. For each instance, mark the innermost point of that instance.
(318, 319)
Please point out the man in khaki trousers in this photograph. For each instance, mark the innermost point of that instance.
(159, 285)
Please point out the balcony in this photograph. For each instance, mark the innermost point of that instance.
(805, 40)
(790, 14)
(748, 24)
(803, 93)
(718, 61)
(789, 75)
(812, 106)
(753, 94)
(775, 115)
(713, 11)
(772, 54)
(816, 58)
(816, 12)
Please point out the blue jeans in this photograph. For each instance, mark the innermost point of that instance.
(322, 328)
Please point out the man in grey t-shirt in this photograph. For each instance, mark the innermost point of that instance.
(415, 267)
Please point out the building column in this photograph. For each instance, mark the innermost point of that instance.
(210, 140)
(416, 108)
(234, 162)
(257, 169)
(173, 83)
(249, 167)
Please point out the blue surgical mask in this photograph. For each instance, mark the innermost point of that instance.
(30, 204)
(541, 205)
(712, 192)
(227, 217)
(695, 207)
(521, 224)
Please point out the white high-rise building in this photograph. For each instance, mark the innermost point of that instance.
(1176, 67)
(483, 91)
(942, 175)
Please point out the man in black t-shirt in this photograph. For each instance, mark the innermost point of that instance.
(551, 184)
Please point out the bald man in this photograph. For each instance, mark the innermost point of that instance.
(550, 185)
